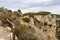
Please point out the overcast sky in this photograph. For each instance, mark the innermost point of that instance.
(32, 5)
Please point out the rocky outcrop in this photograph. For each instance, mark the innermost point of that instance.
(31, 26)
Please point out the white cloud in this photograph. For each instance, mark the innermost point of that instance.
(36, 1)
(48, 3)
(14, 0)
(33, 9)
(24, 5)
(31, 5)
(54, 10)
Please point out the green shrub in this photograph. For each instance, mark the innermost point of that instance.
(26, 20)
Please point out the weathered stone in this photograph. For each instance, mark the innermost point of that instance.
(4, 34)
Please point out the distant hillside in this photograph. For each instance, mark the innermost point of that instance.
(58, 16)
(38, 13)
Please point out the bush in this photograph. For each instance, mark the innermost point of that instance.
(26, 20)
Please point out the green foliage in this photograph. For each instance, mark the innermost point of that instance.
(6, 15)
(43, 13)
(3, 17)
(26, 20)
(38, 13)
(31, 14)
(58, 16)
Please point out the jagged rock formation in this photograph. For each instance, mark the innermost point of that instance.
(29, 26)
(46, 23)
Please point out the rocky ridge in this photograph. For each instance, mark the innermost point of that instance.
(29, 26)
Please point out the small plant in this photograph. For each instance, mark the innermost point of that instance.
(26, 20)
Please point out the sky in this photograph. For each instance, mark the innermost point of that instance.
(32, 5)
